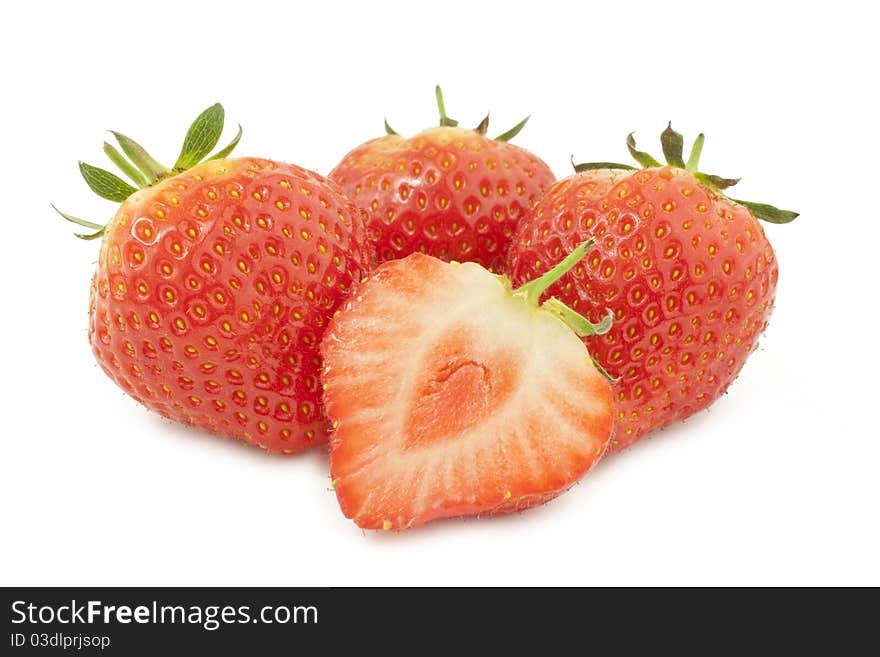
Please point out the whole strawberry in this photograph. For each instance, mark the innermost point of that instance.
(215, 282)
(686, 270)
(448, 192)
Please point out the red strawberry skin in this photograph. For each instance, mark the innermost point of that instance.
(689, 275)
(213, 290)
(447, 192)
(488, 407)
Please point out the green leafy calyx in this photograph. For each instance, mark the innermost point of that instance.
(447, 121)
(144, 170)
(672, 144)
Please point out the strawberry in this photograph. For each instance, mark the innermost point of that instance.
(215, 282)
(492, 405)
(686, 270)
(448, 192)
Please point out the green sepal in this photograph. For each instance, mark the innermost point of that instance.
(673, 146)
(696, 150)
(388, 129)
(533, 290)
(577, 322)
(767, 212)
(139, 156)
(77, 220)
(441, 107)
(202, 136)
(640, 156)
(483, 126)
(226, 150)
(604, 372)
(716, 182)
(90, 236)
(143, 169)
(105, 184)
(85, 224)
(514, 131)
(125, 166)
(592, 166)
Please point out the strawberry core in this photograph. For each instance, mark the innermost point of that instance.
(462, 383)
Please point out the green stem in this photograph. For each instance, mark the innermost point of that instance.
(533, 290)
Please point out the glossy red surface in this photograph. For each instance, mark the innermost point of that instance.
(689, 275)
(213, 289)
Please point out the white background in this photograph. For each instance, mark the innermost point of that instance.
(776, 484)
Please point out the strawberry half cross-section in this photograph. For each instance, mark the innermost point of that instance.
(453, 394)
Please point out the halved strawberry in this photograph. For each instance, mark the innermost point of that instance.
(452, 394)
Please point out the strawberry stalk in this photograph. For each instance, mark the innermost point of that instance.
(532, 291)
